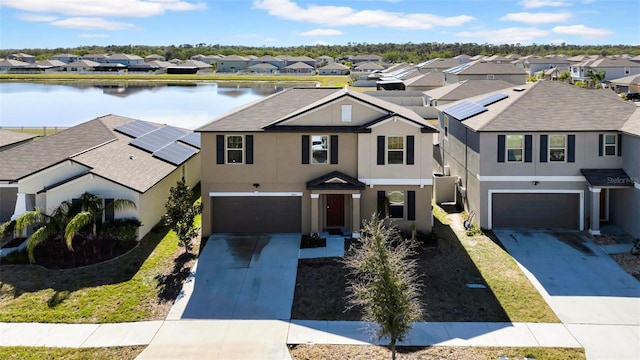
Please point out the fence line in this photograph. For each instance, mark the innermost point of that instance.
(36, 130)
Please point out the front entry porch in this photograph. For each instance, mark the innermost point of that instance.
(602, 183)
(335, 203)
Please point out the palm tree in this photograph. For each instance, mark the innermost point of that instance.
(91, 209)
(46, 226)
(565, 76)
(595, 76)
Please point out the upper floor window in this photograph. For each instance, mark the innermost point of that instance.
(515, 144)
(395, 150)
(491, 77)
(319, 149)
(557, 147)
(610, 144)
(235, 149)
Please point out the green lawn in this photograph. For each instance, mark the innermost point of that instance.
(517, 296)
(121, 290)
(39, 353)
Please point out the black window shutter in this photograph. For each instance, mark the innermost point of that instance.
(528, 144)
(219, 149)
(249, 152)
(544, 144)
(381, 145)
(600, 144)
(571, 143)
(334, 149)
(411, 205)
(619, 144)
(501, 147)
(305, 149)
(410, 150)
(382, 204)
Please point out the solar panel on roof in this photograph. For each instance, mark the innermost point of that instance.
(491, 99)
(135, 128)
(457, 69)
(157, 139)
(192, 139)
(465, 110)
(175, 153)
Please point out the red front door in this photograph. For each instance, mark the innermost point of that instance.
(335, 210)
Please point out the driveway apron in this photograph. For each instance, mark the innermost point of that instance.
(593, 296)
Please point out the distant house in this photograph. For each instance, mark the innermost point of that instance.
(66, 58)
(124, 59)
(44, 66)
(551, 74)
(99, 58)
(232, 64)
(534, 64)
(626, 84)
(263, 68)
(278, 63)
(22, 57)
(190, 67)
(324, 60)
(562, 165)
(613, 68)
(367, 67)
(112, 156)
(299, 68)
(437, 65)
(81, 66)
(154, 57)
(9, 65)
(370, 58)
(424, 82)
(334, 69)
(481, 70)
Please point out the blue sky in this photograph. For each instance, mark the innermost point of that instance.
(71, 23)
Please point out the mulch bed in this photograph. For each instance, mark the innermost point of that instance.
(308, 242)
(447, 269)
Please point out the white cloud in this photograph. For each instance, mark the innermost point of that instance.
(537, 18)
(581, 30)
(345, 16)
(93, 36)
(533, 4)
(322, 32)
(102, 8)
(505, 36)
(270, 39)
(36, 18)
(87, 23)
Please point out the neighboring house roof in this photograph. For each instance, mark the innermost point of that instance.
(124, 57)
(550, 106)
(334, 66)
(268, 58)
(466, 89)
(14, 63)
(439, 63)
(8, 137)
(369, 66)
(64, 56)
(51, 63)
(607, 62)
(96, 145)
(546, 60)
(155, 57)
(196, 63)
(299, 65)
(632, 126)
(428, 79)
(234, 58)
(483, 67)
(83, 63)
(281, 106)
(627, 80)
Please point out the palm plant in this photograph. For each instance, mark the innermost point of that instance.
(91, 209)
(595, 76)
(45, 226)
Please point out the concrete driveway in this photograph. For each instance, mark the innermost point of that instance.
(244, 277)
(593, 296)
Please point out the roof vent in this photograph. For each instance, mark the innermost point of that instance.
(518, 89)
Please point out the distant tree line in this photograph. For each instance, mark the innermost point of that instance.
(391, 52)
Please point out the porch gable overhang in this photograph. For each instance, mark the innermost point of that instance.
(607, 178)
(335, 180)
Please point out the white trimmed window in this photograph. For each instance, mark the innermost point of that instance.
(491, 77)
(346, 113)
(234, 149)
(395, 150)
(610, 145)
(557, 148)
(515, 144)
(319, 149)
(396, 203)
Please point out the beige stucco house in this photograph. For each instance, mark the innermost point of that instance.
(305, 160)
(113, 157)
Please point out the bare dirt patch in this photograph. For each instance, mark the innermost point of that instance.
(630, 263)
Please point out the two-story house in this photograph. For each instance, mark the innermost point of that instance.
(232, 64)
(308, 159)
(613, 68)
(545, 155)
(484, 70)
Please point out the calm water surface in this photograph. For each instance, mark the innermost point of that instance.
(187, 105)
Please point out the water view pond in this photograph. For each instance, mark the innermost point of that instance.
(64, 104)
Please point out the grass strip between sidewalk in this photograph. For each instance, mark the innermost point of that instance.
(39, 353)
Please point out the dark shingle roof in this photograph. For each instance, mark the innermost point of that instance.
(552, 106)
(466, 89)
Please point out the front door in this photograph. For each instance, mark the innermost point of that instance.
(604, 205)
(335, 210)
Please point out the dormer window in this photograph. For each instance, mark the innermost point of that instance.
(346, 113)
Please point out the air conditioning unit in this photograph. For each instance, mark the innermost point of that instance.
(447, 170)
(463, 191)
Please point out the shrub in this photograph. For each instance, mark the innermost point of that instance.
(122, 230)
